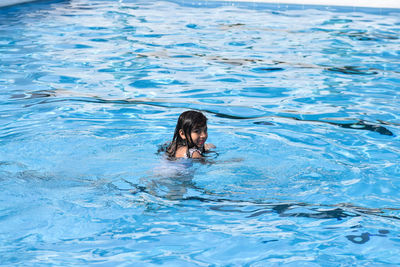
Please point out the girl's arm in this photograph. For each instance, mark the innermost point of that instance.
(208, 147)
(196, 155)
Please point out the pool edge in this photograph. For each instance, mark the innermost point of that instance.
(390, 4)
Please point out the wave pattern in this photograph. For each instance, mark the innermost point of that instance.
(303, 106)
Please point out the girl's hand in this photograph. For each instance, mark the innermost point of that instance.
(208, 147)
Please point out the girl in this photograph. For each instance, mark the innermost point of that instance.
(190, 136)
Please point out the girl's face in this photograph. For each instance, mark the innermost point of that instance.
(199, 135)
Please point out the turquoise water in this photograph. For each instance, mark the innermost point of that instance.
(302, 103)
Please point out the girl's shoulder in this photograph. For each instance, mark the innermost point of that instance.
(184, 152)
(181, 152)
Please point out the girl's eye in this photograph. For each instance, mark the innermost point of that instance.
(198, 131)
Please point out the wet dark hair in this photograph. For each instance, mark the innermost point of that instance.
(187, 121)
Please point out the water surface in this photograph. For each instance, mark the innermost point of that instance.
(303, 106)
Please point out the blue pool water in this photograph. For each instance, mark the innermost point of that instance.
(303, 105)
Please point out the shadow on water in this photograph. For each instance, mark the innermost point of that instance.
(172, 184)
(271, 65)
(64, 95)
(359, 125)
(338, 211)
(353, 70)
(177, 187)
(363, 35)
(173, 181)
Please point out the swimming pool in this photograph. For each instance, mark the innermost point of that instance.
(302, 104)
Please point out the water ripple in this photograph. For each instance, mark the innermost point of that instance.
(304, 116)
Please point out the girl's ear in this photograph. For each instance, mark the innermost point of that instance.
(182, 134)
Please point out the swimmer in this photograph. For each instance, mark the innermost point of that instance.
(190, 136)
